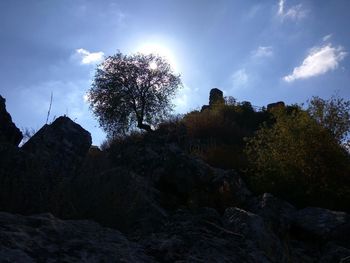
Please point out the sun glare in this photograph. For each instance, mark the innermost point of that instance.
(153, 65)
(160, 50)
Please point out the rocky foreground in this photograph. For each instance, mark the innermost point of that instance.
(145, 201)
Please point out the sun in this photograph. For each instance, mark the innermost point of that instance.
(160, 50)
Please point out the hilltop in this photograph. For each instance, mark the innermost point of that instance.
(181, 193)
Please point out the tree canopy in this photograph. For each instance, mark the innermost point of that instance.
(333, 114)
(131, 91)
(300, 160)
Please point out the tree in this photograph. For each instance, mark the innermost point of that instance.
(131, 91)
(333, 114)
(298, 159)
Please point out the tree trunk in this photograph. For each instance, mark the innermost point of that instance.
(145, 127)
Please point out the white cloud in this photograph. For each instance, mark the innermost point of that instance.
(281, 7)
(263, 52)
(88, 57)
(319, 61)
(295, 12)
(239, 78)
(327, 37)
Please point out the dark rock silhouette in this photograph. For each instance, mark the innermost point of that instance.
(8, 131)
(44, 238)
(181, 179)
(168, 206)
(275, 105)
(216, 97)
(62, 144)
(323, 224)
(119, 198)
(33, 177)
(277, 213)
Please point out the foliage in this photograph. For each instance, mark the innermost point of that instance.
(132, 91)
(216, 134)
(299, 160)
(333, 114)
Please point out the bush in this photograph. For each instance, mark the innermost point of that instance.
(217, 134)
(299, 160)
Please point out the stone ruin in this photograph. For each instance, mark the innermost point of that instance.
(216, 97)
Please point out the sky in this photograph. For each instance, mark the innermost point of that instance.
(253, 50)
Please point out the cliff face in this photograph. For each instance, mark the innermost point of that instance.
(163, 205)
(9, 133)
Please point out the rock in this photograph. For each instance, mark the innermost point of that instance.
(62, 145)
(181, 179)
(205, 107)
(334, 253)
(228, 189)
(262, 243)
(34, 178)
(322, 224)
(9, 133)
(44, 238)
(279, 104)
(118, 198)
(277, 213)
(196, 236)
(216, 97)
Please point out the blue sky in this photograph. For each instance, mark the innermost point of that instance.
(260, 51)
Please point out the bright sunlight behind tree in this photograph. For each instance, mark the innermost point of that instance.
(131, 91)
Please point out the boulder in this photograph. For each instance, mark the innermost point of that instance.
(322, 224)
(277, 213)
(263, 244)
(9, 133)
(61, 146)
(44, 238)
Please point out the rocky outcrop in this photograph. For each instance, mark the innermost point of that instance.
(9, 133)
(168, 206)
(187, 235)
(62, 145)
(279, 104)
(263, 243)
(323, 224)
(196, 236)
(44, 238)
(33, 177)
(216, 97)
(181, 179)
(119, 198)
(277, 213)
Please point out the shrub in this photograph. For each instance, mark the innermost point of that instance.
(217, 134)
(299, 160)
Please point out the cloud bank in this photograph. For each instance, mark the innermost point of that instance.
(88, 57)
(319, 61)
